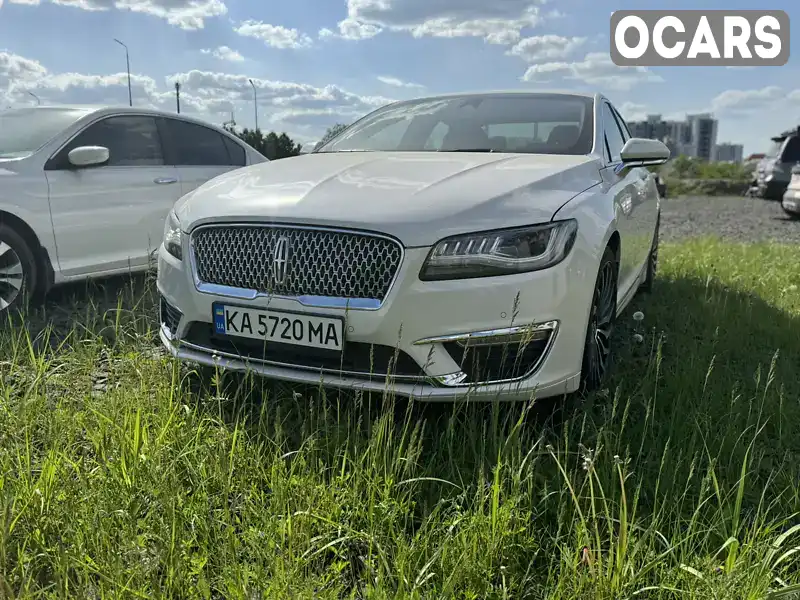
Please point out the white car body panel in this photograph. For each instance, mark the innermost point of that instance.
(126, 207)
(419, 198)
(101, 220)
(415, 197)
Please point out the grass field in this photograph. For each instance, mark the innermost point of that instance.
(120, 477)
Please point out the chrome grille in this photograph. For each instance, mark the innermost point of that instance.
(320, 262)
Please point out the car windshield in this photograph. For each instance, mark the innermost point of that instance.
(24, 130)
(774, 149)
(530, 124)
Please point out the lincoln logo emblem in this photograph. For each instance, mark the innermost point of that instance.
(280, 261)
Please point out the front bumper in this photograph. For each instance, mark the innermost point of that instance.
(791, 201)
(429, 340)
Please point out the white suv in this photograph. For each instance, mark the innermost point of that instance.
(84, 192)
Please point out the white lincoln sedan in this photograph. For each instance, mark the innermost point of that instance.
(470, 245)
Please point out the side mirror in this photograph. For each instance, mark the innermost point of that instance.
(308, 147)
(642, 152)
(88, 156)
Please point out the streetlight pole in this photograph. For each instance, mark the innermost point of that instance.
(255, 101)
(128, 67)
(38, 102)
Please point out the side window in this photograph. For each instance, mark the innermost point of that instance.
(195, 145)
(235, 151)
(614, 137)
(132, 141)
(626, 133)
(791, 152)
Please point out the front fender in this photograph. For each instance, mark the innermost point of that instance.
(26, 197)
(597, 220)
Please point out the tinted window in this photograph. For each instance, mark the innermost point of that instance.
(626, 133)
(131, 141)
(235, 151)
(613, 135)
(534, 123)
(195, 145)
(791, 152)
(25, 130)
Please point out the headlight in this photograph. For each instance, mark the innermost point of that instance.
(502, 252)
(172, 236)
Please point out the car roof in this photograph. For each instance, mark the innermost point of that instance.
(121, 109)
(516, 93)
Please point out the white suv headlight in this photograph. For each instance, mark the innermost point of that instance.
(172, 236)
(500, 252)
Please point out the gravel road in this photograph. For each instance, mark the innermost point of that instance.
(736, 219)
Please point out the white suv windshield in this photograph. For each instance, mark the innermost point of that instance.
(531, 124)
(24, 130)
(774, 149)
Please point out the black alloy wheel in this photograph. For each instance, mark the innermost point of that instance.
(598, 347)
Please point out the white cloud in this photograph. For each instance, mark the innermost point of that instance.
(546, 48)
(632, 111)
(395, 82)
(275, 36)
(499, 22)
(288, 99)
(596, 70)
(745, 101)
(224, 53)
(286, 106)
(186, 14)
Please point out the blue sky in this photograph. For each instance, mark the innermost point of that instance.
(318, 62)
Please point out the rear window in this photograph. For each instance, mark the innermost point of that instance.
(24, 130)
(791, 151)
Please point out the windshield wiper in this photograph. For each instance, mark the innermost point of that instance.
(470, 150)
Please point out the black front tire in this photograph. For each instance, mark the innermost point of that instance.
(19, 274)
(791, 214)
(598, 352)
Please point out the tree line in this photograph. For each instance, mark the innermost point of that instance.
(279, 145)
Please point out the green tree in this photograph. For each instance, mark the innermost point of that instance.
(272, 145)
(332, 132)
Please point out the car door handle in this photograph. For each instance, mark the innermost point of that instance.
(164, 180)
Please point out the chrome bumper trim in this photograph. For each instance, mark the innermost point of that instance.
(489, 337)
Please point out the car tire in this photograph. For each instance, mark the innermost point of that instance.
(789, 213)
(18, 271)
(598, 352)
(652, 262)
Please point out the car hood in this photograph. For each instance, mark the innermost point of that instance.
(417, 197)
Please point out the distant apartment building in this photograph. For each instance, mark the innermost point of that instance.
(704, 135)
(729, 153)
(696, 136)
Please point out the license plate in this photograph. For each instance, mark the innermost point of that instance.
(300, 329)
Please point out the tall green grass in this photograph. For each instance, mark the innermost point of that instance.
(123, 475)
